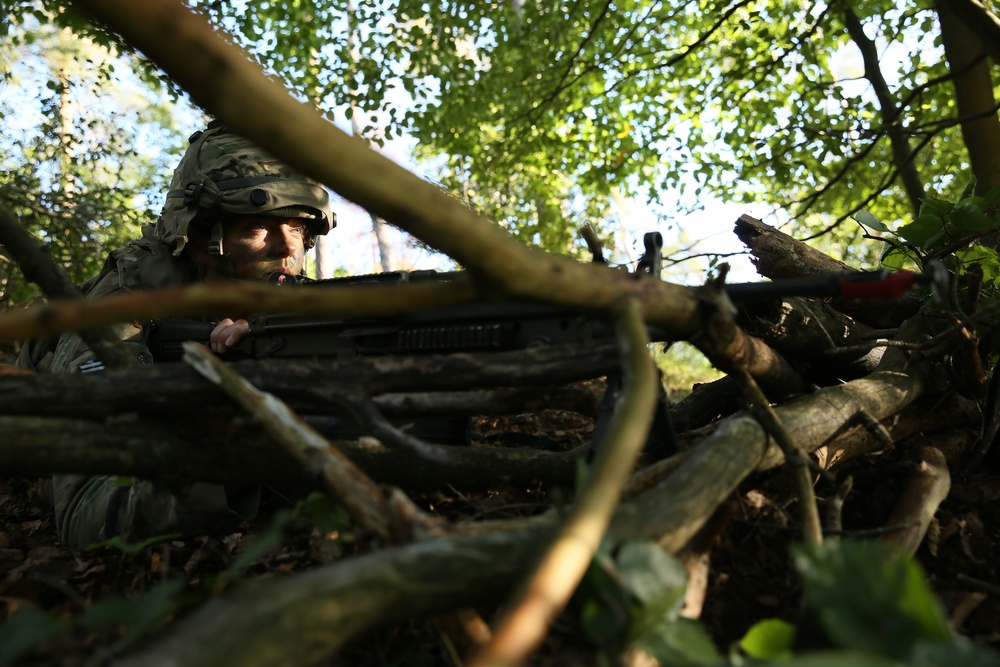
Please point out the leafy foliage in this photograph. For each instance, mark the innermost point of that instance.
(949, 232)
(539, 115)
(78, 179)
(873, 605)
(887, 607)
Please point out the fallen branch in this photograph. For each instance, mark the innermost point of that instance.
(309, 387)
(925, 490)
(338, 476)
(221, 78)
(795, 458)
(777, 255)
(303, 618)
(171, 452)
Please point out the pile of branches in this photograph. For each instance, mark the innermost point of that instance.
(855, 390)
(816, 396)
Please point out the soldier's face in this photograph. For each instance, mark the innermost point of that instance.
(253, 247)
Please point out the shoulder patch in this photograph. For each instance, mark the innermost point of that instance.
(92, 366)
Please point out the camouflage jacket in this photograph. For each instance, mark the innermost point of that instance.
(94, 508)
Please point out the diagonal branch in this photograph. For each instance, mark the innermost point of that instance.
(38, 266)
(223, 80)
(901, 150)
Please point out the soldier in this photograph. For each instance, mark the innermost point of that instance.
(232, 213)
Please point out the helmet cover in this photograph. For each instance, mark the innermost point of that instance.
(223, 173)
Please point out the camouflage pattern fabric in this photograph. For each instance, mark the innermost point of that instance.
(94, 508)
(223, 173)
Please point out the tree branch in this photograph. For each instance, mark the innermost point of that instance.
(978, 18)
(38, 266)
(221, 78)
(901, 150)
(565, 562)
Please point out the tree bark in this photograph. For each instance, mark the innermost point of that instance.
(236, 452)
(978, 18)
(303, 618)
(925, 490)
(311, 387)
(977, 106)
(777, 256)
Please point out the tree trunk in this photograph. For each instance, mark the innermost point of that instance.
(977, 107)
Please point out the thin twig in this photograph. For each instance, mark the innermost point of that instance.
(835, 506)
(812, 532)
(338, 475)
(554, 581)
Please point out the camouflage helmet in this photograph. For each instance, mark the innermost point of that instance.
(223, 173)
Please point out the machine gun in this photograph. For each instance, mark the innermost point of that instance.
(489, 326)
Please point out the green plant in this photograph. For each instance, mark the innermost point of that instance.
(874, 608)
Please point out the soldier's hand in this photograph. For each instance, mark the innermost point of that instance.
(227, 334)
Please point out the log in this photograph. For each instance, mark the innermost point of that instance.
(236, 452)
(822, 341)
(313, 387)
(777, 255)
(738, 446)
(923, 493)
(298, 620)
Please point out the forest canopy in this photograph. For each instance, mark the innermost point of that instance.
(819, 111)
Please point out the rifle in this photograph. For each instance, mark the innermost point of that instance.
(491, 326)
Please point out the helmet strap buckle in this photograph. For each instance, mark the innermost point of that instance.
(215, 241)
(192, 193)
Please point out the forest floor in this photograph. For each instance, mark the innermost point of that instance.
(750, 573)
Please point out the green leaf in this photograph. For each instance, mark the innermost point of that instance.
(769, 639)
(324, 512)
(896, 259)
(24, 631)
(603, 605)
(969, 188)
(601, 625)
(956, 652)
(649, 572)
(968, 215)
(841, 659)
(868, 598)
(922, 229)
(866, 219)
(681, 643)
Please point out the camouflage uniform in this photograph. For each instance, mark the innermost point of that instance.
(220, 174)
